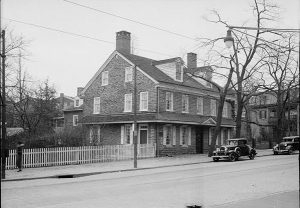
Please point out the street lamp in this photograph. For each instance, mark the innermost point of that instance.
(228, 40)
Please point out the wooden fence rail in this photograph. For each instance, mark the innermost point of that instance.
(42, 157)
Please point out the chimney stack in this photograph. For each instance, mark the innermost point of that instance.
(123, 41)
(79, 90)
(191, 60)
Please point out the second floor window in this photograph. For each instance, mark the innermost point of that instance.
(213, 107)
(75, 120)
(128, 74)
(96, 105)
(128, 103)
(169, 101)
(104, 78)
(143, 101)
(225, 110)
(263, 114)
(200, 105)
(185, 103)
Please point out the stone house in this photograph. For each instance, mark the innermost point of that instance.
(173, 110)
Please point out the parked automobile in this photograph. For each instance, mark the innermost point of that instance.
(233, 150)
(287, 146)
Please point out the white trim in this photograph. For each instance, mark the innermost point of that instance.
(208, 122)
(147, 103)
(74, 118)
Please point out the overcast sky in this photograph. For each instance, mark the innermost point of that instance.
(70, 62)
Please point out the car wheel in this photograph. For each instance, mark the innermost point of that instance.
(290, 151)
(252, 156)
(231, 157)
(216, 159)
(275, 153)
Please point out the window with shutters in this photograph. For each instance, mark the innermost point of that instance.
(213, 107)
(128, 103)
(128, 134)
(96, 105)
(143, 101)
(185, 103)
(225, 110)
(104, 78)
(200, 105)
(169, 101)
(169, 135)
(185, 135)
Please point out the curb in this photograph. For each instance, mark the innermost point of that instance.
(77, 175)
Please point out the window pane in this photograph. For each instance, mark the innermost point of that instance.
(144, 101)
(128, 103)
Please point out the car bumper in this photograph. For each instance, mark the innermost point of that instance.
(281, 151)
(220, 155)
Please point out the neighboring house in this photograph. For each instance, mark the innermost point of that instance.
(174, 111)
(72, 114)
(263, 115)
(63, 102)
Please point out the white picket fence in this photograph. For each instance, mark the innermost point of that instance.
(41, 157)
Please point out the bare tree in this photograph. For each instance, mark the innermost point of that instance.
(283, 78)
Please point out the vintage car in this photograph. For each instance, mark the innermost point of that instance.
(288, 145)
(233, 150)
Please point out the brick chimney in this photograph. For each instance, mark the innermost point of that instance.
(79, 90)
(191, 60)
(123, 41)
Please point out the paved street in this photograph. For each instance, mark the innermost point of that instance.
(270, 180)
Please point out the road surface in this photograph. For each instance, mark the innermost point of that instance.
(270, 180)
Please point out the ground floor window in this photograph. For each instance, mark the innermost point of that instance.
(169, 135)
(94, 135)
(126, 134)
(185, 135)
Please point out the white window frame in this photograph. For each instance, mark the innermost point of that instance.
(172, 135)
(200, 105)
(213, 107)
(75, 102)
(75, 120)
(185, 103)
(128, 74)
(188, 131)
(128, 102)
(96, 109)
(169, 101)
(225, 110)
(104, 78)
(143, 101)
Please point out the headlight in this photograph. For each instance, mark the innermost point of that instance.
(225, 149)
(218, 149)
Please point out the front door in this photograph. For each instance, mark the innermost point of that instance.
(199, 140)
(143, 134)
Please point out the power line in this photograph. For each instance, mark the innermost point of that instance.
(131, 20)
(78, 35)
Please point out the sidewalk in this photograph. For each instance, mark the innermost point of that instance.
(110, 167)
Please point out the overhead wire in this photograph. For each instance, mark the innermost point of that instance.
(131, 20)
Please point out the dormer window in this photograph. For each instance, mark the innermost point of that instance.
(77, 103)
(179, 71)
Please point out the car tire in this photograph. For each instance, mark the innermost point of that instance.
(252, 156)
(290, 151)
(216, 159)
(232, 157)
(275, 153)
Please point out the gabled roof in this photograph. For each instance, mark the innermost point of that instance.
(146, 65)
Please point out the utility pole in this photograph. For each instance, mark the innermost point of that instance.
(134, 122)
(3, 112)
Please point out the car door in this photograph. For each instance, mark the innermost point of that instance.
(244, 148)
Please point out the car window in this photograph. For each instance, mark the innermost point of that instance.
(287, 140)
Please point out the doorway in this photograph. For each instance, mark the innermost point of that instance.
(199, 140)
(143, 134)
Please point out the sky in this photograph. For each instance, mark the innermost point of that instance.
(69, 61)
